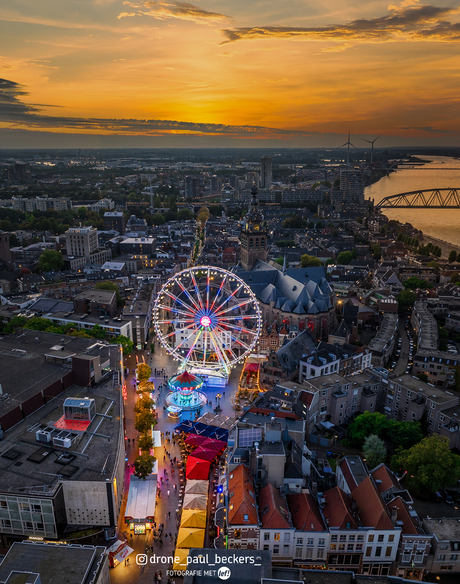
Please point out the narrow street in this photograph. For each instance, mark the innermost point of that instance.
(404, 357)
(133, 573)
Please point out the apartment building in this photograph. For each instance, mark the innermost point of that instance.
(382, 345)
(327, 358)
(242, 514)
(445, 557)
(277, 531)
(81, 241)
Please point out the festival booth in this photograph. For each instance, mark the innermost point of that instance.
(194, 501)
(204, 454)
(195, 518)
(197, 487)
(190, 537)
(140, 508)
(195, 440)
(181, 555)
(156, 437)
(118, 552)
(197, 468)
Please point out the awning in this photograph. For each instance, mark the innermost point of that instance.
(181, 555)
(214, 444)
(156, 437)
(197, 487)
(190, 538)
(197, 468)
(194, 501)
(195, 440)
(141, 498)
(204, 453)
(119, 551)
(193, 518)
(252, 367)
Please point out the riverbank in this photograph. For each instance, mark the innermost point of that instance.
(445, 246)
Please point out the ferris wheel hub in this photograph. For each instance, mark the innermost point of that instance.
(205, 321)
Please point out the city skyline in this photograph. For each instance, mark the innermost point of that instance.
(96, 73)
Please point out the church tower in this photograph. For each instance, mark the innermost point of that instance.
(253, 237)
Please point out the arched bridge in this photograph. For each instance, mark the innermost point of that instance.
(426, 199)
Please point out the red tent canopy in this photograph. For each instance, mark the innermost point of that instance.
(204, 453)
(195, 439)
(213, 444)
(252, 367)
(197, 468)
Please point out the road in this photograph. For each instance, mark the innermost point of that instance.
(132, 573)
(403, 360)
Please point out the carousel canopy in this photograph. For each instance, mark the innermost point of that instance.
(185, 380)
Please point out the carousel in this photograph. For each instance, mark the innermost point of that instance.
(185, 392)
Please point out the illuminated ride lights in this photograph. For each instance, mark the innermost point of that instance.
(208, 319)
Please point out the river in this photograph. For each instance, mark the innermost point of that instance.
(441, 223)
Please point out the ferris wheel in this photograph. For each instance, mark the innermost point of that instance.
(207, 318)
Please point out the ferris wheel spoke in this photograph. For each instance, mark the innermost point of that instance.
(238, 328)
(241, 317)
(174, 321)
(185, 340)
(240, 342)
(189, 296)
(177, 330)
(190, 352)
(176, 310)
(198, 295)
(219, 291)
(229, 298)
(207, 289)
(178, 300)
(229, 348)
(240, 305)
(224, 357)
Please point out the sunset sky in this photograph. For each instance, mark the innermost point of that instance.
(228, 73)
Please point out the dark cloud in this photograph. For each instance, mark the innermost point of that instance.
(427, 129)
(15, 112)
(410, 23)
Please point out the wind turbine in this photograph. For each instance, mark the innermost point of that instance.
(372, 147)
(348, 144)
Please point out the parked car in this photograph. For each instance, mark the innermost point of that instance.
(447, 497)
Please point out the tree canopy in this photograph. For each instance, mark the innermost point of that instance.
(309, 260)
(344, 257)
(143, 466)
(143, 372)
(430, 465)
(406, 299)
(112, 287)
(50, 260)
(395, 434)
(374, 450)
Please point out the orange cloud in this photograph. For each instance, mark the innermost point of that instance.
(125, 14)
(163, 9)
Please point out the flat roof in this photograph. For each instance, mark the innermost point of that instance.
(447, 528)
(24, 369)
(437, 394)
(72, 564)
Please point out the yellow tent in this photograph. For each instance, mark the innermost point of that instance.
(193, 518)
(189, 537)
(182, 556)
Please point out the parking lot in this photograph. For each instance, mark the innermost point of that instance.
(434, 509)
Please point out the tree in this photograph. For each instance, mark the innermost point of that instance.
(158, 219)
(344, 257)
(126, 344)
(413, 283)
(403, 434)
(50, 260)
(112, 287)
(185, 215)
(145, 443)
(376, 250)
(406, 299)
(294, 222)
(144, 421)
(374, 450)
(364, 425)
(280, 261)
(423, 377)
(430, 466)
(143, 403)
(143, 372)
(452, 256)
(308, 260)
(143, 466)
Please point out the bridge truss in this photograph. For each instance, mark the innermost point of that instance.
(431, 198)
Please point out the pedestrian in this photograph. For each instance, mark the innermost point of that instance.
(170, 535)
(166, 515)
(169, 513)
(168, 496)
(175, 486)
